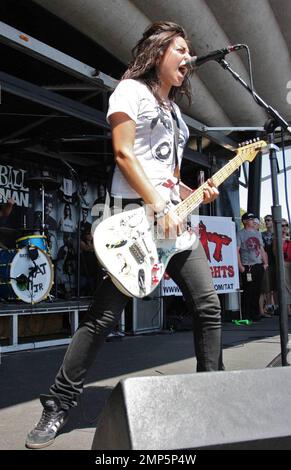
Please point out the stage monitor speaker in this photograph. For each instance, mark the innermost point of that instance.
(211, 410)
(145, 315)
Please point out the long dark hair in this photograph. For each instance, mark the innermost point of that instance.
(146, 56)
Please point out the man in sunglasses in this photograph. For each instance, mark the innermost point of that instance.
(252, 262)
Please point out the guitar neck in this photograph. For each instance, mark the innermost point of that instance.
(184, 208)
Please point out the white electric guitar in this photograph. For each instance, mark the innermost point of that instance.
(127, 245)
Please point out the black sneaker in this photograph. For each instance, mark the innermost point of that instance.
(52, 420)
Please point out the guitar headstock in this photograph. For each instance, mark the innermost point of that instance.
(249, 149)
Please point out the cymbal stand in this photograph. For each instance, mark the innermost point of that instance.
(42, 210)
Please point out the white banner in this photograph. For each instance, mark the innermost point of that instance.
(218, 238)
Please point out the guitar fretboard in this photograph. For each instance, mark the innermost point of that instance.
(184, 208)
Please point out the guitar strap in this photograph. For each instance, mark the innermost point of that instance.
(108, 199)
(176, 128)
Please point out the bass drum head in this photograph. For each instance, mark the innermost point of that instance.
(31, 280)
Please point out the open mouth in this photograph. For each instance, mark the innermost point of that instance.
(183, 70)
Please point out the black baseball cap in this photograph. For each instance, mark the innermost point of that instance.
(248, 216)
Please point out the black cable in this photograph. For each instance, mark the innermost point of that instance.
(250, 70)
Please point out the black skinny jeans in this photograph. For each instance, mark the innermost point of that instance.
(191, 272)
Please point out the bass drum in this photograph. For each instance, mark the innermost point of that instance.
(25, 274)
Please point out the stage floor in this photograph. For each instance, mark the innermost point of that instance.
(24, 375)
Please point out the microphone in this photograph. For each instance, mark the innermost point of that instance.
(214, 55)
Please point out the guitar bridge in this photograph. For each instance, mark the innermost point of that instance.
(137, 252)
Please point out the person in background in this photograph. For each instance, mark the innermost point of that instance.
(49, 221)
(84, 194)
(287, 261)
(252, 262)
(268, 291)
(256, 224)
(66, 223)
(85, 225)
(5, 211)
(90, 271)
(66, 265)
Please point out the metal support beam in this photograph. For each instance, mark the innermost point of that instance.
(41, 121)
(40, 150)
(197, 157)
(216, 136)
(31, 92)
(41, 51)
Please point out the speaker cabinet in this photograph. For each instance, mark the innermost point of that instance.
(210, 410)
(145, 315)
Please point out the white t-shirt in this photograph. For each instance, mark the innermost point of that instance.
(66, 225)
(154, 138)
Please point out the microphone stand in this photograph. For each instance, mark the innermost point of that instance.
(275, 120)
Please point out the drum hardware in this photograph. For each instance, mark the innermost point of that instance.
(22, 281)
(32, 253)
(42, 183)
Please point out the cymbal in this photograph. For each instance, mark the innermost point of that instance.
(39, 182)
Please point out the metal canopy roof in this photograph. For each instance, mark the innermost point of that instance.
(218, 100)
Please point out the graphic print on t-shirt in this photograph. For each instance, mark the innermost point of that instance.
(253, 245)
(161, 125)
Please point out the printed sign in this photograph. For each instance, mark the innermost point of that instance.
(218, 238)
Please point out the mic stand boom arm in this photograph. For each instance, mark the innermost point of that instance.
(280, 121)
(276, 120)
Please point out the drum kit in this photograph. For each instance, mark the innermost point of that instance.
(26, 273)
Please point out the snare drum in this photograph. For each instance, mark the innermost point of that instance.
(23, 278)
(39, 241)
